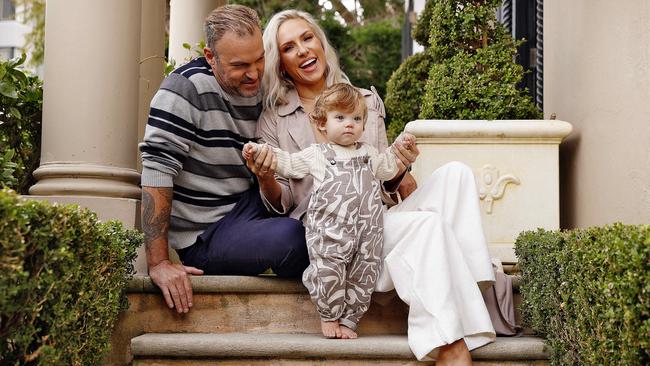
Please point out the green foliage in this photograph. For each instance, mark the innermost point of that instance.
(478, 85)
(588, 292)
(21, 105)
(382, 9)
(406, 86)
(373, 54)
(34, 16)
(474, 75)
(62, 284)
(404, 92)
(422, 30)
(266, 9)
(7, 169)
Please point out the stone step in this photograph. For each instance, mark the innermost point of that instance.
(252, 304)
(293, 349)
(238, 304)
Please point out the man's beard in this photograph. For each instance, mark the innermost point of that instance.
(234, 88)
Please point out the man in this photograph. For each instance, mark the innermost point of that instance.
(197, 194)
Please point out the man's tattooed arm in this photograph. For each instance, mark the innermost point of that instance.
(156, 210)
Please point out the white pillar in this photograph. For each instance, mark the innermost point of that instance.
(152, 60)
(186, 25)
(90, 109)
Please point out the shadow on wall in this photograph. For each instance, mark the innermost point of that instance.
(568, 181)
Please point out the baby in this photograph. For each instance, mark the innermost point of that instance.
(343, 223)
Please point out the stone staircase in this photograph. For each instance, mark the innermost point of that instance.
(270, 321)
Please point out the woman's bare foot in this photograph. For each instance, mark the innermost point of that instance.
(331, 329)
(347, 333)
(454, 354)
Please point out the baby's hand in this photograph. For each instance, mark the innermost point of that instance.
(249, 151)
(408, 140)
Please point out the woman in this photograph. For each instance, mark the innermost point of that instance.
(434, 248)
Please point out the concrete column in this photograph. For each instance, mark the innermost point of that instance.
(90, 109)
(186, 25)
(152, 60)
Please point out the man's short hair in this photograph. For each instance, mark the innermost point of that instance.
(338, 97)
(238, 19)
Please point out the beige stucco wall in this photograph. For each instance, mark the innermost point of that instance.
(597, 76)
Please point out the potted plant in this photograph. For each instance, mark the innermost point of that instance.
(468, 74)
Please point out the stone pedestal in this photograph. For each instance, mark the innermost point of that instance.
(516, 167)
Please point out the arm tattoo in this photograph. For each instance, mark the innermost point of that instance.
(155, 214)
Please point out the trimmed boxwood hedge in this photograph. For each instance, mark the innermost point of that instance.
(62, 285)
(467, 70)
(587, 292)
(406, 84)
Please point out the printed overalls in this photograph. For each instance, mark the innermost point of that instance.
(344, 232)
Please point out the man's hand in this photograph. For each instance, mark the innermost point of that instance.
(174, 282)
(171, 278)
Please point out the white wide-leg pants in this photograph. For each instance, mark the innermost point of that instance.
(435, 254)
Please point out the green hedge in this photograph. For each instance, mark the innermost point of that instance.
(21, 105)
(62, 283)
(405, 91)
(474, 75)
(588, 293)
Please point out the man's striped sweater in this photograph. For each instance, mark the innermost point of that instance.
(193, 142)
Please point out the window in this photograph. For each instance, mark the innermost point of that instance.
(7, 10)
(7, 53)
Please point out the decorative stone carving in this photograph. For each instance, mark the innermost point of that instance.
(492, 186)
(524, 151)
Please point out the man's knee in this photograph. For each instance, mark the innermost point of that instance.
(288, 233)
(289, 243)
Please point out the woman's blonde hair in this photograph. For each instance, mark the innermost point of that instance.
(339, 97)
(275, 85)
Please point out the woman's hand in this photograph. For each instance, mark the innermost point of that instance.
(261, 160)
(406, 151)
(407, 186)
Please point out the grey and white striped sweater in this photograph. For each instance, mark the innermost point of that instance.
(193, 143)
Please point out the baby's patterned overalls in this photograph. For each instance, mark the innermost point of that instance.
(344, 231)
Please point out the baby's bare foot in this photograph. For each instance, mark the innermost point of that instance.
(347, 333)
(331, 329)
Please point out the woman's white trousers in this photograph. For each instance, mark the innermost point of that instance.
(436, 257)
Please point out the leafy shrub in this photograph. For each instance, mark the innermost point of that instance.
(474, 75)
(406, 86)
(422, 30)
(7, 169)
(21, 105)
(373, 54)
(62, 284)
(588, 292)
(404, 92)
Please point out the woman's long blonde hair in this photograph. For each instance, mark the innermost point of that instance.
(275, 85)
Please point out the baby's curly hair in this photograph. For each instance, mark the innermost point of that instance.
(338, 97)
